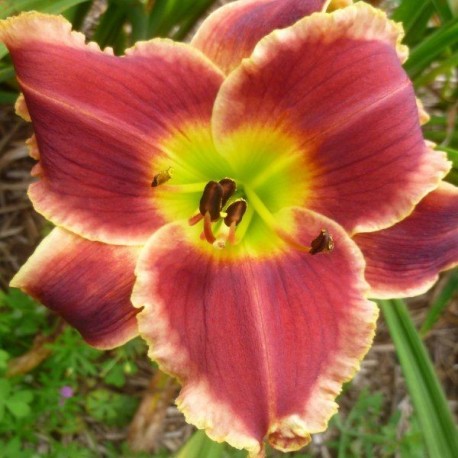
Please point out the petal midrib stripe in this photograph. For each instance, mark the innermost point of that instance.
(92, 115)
(355, 116)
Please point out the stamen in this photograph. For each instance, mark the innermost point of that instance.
(211, 200)
(231, 236)
(195, 219)
(234, 215)
(209, 237)
(162, 177)
(324, 242)
(235, 212)
(229, 187)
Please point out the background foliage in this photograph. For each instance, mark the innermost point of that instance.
(79, 401)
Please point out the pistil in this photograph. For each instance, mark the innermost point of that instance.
(324, 242)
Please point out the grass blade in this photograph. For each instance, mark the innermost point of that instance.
(440, 303)
(436, 421)
(443, 9)
(425, 53)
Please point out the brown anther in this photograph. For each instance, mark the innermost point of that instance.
(324, 242)
(235, 212)
(162, 177)
(229, 187)
(211, 200)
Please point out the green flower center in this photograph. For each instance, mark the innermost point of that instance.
(232, 197)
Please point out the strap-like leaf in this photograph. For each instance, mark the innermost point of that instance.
(436, 421)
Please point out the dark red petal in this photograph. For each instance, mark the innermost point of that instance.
(101, 121)
(334, 84)
(405, 259)
(230, 34)
(261, 345)
(88, 283)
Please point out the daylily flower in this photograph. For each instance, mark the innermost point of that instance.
(263, 181)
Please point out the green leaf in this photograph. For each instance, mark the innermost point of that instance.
(407, 11)
(452, 154)
(110, 407)
(11, 7)
(5, 389)
(443, 10)
(4, 357)
(7, 98)
(19, 403)
(200, 446)
(3, 51)
(424, 54)
(110, 27)
(446, 294)
(60, 6)
(445, 66)
(429, 401)
(6, 73)
(116, 377)
(414, 17)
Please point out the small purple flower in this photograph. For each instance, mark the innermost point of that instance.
(66, 392)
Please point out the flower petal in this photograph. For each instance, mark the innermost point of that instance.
(230, 34)
(334, 84)
(261, 345)
(88, 283)
(405, 259)
(100, 121)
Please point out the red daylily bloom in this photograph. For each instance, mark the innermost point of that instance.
(262, 181)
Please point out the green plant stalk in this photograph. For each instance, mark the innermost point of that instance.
(439, 430)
